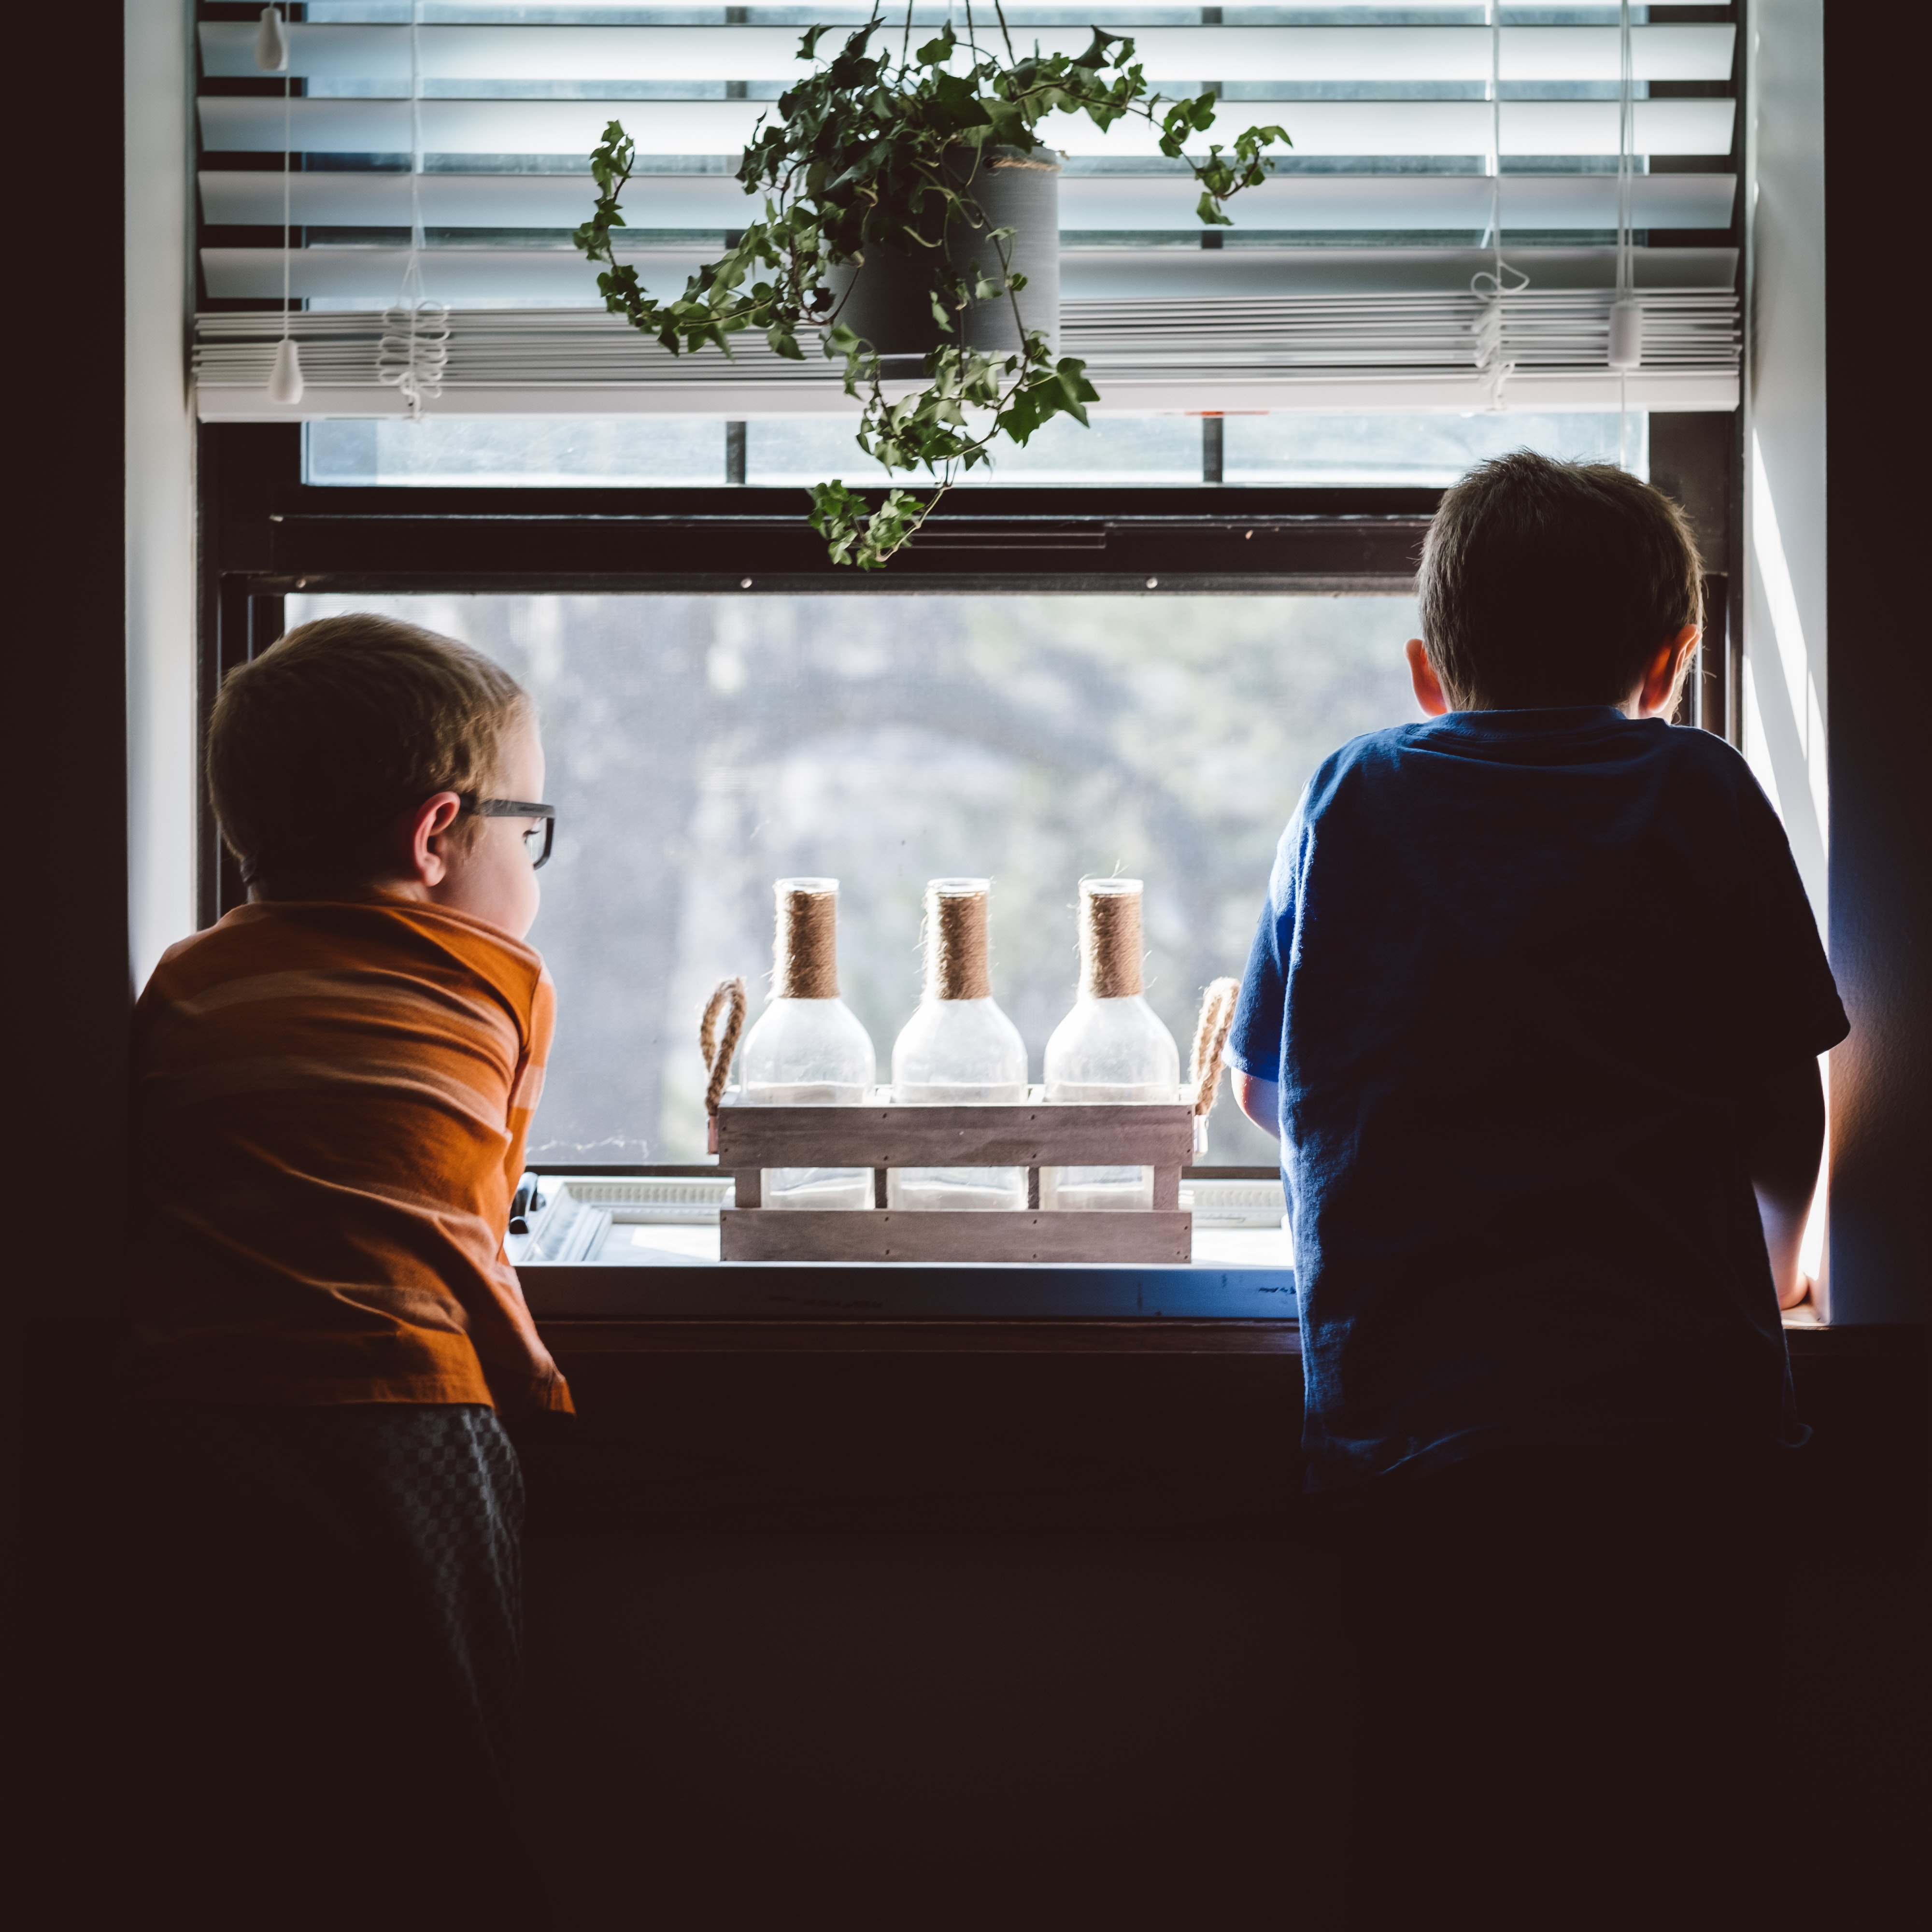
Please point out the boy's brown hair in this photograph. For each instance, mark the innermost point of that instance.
(317, 744)
(1548, 584)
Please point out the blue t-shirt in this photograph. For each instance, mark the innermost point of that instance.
(1515, 973)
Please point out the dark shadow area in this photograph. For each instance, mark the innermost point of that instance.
(894, 1714)
(939, 1734)
(1110, 1719)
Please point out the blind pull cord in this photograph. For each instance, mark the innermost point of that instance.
(271, 56)
(1490, 285)
(1625, 349)
(414, 349)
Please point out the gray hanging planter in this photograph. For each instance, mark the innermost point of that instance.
(888, 301)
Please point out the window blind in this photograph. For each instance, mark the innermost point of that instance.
(1426, 138)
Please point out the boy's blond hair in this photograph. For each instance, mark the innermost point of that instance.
(317, 745)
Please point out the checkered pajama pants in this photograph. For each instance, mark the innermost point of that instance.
(325, 1622)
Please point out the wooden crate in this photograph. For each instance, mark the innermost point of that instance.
(1032, 1135)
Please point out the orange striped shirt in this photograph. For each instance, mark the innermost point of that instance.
(330, 1101)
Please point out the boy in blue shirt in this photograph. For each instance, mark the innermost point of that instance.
(1535, 1006)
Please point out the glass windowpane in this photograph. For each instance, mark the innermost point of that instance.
(700, 747)
(663, 451)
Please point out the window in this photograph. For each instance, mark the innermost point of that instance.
(541, 451)
(701, 747)
(1124, 646)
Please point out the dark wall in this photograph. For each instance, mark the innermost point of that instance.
(1881, 858)
(68, 927)
(908, 1735)
(65, 686)
(1035, 1639)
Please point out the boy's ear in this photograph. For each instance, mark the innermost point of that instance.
(1663, 676)
(424, 844)
(1429, 691)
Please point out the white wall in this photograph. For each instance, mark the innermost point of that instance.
(1785, 696)
(1785, 702)
(159, 481)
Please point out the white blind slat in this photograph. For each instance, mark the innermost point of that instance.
(1167, 53)
(1089, 203)
(550, 275)
(1318, 127)
(1302, 350)
(1535, 391)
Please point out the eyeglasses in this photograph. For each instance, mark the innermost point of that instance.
(537, 841)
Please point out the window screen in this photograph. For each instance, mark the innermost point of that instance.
(700, 748)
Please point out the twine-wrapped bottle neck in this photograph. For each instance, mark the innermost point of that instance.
(957, 963)
(805, 952)
(1110, 940)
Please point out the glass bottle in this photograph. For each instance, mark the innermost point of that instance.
(1112, 1046)
(807, 1048)
(957, 1049)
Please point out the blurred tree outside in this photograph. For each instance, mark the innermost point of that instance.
(700, 748)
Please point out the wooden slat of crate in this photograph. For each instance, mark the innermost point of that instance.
(1026, 1135)
(804, 1235)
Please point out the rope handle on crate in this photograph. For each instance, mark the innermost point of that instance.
(728, 998)
(1210, 1042)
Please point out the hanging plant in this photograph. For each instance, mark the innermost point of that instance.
(876, 166)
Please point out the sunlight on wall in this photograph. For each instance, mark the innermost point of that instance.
(1786, 742)
(1811, 1250)
(1786, 693)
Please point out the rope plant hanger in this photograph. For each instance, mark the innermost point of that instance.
(869, 153)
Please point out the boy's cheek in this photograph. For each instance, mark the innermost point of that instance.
(532, 905)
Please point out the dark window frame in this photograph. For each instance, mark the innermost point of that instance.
(264, 532)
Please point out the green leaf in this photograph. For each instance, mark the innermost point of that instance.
(1095, 58)
(938, 52)
(1071, 374)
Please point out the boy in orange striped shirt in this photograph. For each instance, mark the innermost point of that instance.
(331, 1089)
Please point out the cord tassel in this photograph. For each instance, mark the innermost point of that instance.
(285, 379)
(271, 43)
